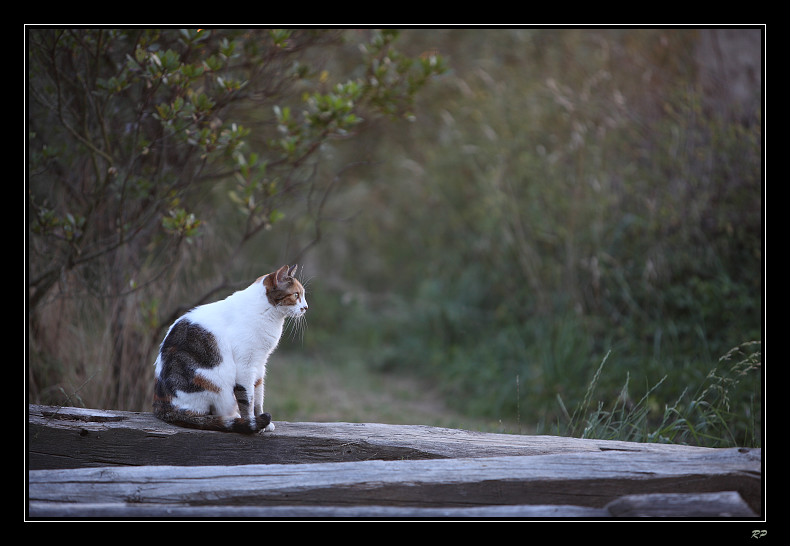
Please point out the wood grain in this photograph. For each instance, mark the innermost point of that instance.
(87, 463)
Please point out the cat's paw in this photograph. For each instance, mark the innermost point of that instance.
(265, 423)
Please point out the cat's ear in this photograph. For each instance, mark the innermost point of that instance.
(292, 270)
(273, 280)
(281, 275)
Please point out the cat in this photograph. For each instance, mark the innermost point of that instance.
(210, 370)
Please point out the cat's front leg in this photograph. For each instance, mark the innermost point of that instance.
(258, 405)
(245, 400)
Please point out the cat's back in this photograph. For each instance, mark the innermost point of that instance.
(236, 313)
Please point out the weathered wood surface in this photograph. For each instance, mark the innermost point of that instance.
(727, 504)
(87, 463)
(77, 437)
(574, 484)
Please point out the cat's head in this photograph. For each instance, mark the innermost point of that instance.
(285, 292)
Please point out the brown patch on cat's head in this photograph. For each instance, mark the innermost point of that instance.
(281, 286)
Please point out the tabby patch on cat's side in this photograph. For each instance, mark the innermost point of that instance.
(212, 363)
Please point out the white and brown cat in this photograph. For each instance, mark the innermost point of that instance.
(211, 365)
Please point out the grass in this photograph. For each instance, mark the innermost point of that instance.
(717, 413)
(709, 416)
(724, 411)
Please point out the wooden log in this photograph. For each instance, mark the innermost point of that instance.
(726, 504)
(590, 480)
(180, 512)
(88, 463)
(76, 437)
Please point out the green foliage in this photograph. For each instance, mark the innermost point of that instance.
(181, 223)
(139, 113)
(137, 146)
(551, 211)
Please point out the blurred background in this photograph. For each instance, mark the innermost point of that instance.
(553, 231)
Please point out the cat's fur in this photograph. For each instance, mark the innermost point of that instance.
(211, 365)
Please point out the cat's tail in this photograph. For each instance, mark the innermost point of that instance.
(175, 416)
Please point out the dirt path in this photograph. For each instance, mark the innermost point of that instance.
(315, 389)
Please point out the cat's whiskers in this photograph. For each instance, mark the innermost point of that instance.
(296, 326)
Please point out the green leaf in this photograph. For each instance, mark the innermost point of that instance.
(275, 216)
